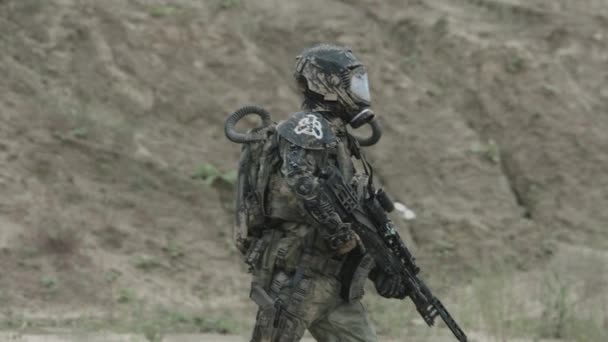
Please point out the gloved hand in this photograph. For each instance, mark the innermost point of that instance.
(390, 286)
(343, 240)
(349, 245)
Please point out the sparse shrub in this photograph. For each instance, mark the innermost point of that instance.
(206, 172)
(147, 263)
(112, 275)
(48, 282)
(230, 177)
(411, 60)
(173, 250)
(178, 318)
(515, 65)
(162, 11)
(440, 27)
(489, 150)
(209, 174)
(152, 331)
(126, 295)
(557, 307)
(550, 90)
(562, 318)
(213, 325)
(495, 306)
(58, 237)
(79, 132)
(227, 4)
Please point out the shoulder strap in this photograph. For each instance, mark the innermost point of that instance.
(357, 152)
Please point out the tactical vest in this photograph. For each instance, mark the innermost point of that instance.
(293, 245)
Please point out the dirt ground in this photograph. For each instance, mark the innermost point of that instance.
(116, 177)
(101, 337)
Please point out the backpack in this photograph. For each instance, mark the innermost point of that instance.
(258, 161)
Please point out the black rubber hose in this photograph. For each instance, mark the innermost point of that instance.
(375, 137)
(241, 138)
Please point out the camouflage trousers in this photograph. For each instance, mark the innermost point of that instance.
(312, 303)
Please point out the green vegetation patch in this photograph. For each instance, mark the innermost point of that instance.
(161, 11)
(209, 174)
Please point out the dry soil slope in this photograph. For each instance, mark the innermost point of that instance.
(495, 117)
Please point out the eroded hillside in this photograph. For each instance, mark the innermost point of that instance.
(495, 116)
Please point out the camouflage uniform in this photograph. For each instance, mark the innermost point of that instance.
(309, 266)
(304, 268)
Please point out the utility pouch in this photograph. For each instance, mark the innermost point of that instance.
(261, 297)
(288, 253)
(270, 303)
(296, 304)
(271, 309)
(263, 258)
(255, 252)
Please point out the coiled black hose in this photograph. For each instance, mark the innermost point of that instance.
(254, 135)
(375, 137)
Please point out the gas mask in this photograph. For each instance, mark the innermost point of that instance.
(359, 92)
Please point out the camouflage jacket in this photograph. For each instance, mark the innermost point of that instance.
(311, 146)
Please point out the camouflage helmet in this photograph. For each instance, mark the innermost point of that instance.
(334, 76)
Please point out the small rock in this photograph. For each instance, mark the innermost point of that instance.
(598, 36)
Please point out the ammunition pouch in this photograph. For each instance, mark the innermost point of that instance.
(254, 253)
(261, 257)
(280, 308)
(288, 253)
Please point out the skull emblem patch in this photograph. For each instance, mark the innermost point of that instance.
(310, 125)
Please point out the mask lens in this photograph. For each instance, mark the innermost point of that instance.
(359, 86)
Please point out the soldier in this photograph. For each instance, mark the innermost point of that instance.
(308, 264)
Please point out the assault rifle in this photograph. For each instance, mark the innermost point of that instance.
(371, 222)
